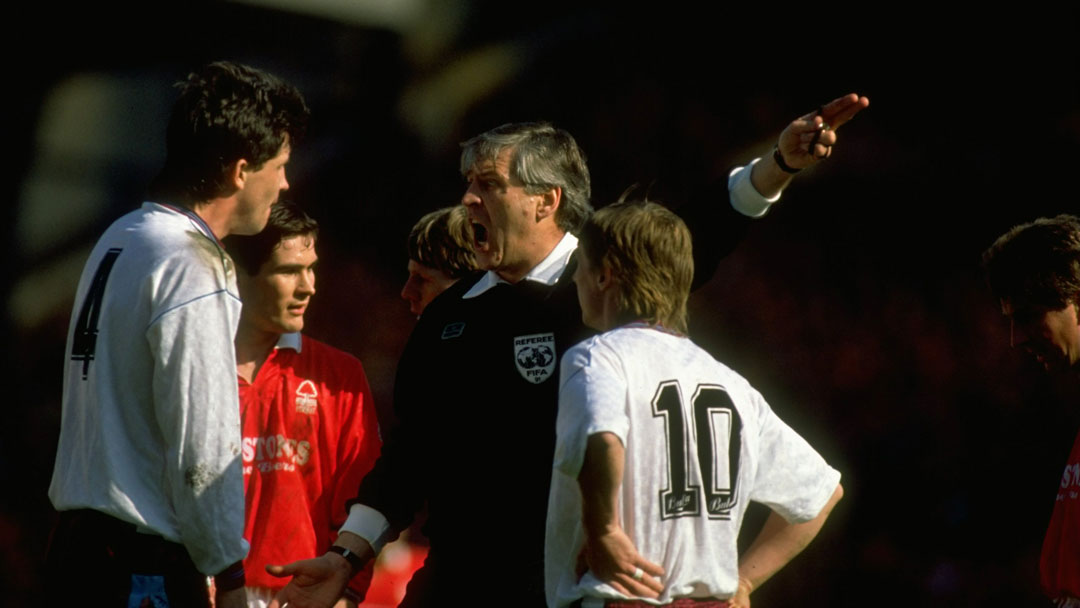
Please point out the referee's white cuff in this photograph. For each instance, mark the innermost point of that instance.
(368, 524)
(744, 197)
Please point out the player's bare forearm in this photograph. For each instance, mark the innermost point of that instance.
(806, 141)
(600, 477)
(779, 542)
(319, 582)
(609, 552)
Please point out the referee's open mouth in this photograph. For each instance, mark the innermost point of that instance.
(480, 237)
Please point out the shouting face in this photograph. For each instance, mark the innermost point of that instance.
(506, 220)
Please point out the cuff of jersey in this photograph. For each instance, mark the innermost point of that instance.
(368, 524)
(744, 197)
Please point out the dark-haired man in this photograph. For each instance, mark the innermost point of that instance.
(309, 425)
(660, 447)
(148, 476)
(1034, 270)
(475, 389)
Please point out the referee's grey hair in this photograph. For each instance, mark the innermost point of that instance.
(542, 158)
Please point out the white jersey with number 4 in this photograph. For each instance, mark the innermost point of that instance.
(700, 444)
(150, 423)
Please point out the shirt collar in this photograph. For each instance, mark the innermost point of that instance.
(198, 221)
(547, 271)
(291, 341)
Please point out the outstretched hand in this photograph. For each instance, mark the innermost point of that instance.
(317, 583)
(612, 558)
(810, 138)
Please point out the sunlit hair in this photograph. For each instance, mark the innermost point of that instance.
(442, 240)
(542, 158)
(649, 252)
(226, 112)
(287, 220)
(1037, 264)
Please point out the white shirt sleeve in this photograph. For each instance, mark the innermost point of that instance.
(198, 414)
(368, 524)
(791, 478)
(592, 399)
(744, 197)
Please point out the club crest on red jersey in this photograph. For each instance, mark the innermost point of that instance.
(534, 356)
(307, 397)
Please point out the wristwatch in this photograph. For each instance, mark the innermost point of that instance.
(355, 561)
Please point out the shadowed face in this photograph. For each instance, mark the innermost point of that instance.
(590, 293)
(1051, 337)
(423, 284)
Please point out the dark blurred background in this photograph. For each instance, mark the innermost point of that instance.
(857, 306)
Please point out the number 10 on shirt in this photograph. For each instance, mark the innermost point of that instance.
(717, 428)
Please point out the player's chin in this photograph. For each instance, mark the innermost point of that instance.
(292, 324)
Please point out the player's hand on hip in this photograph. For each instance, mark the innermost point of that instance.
(810, 138)
(316, 583)
(741, 599)
(613, 559)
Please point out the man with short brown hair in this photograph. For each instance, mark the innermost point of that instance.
(1034, 270)
(148, 480)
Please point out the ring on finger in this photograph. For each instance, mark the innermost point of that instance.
(638, 574)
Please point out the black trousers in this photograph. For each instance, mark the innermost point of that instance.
(106, 562)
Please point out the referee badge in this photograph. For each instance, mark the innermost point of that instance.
(534, 356)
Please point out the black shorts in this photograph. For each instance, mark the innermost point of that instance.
(104, 561)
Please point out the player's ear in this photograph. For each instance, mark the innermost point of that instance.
(238, 173)
(605, 278)
(549, 203)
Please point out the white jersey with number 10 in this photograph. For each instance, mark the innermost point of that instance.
(700, 444)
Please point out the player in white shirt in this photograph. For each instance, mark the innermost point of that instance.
(660, 447)
(148, 480)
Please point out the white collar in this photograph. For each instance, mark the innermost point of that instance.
(292, 341)
(547, 271)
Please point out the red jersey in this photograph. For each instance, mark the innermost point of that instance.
(1060, 562)
(310, 435)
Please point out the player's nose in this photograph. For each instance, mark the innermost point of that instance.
(408, 291)
(306, 285)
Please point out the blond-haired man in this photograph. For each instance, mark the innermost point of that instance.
(660, 447)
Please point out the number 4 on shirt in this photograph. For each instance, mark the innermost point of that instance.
(84, 339)
(717, 427)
